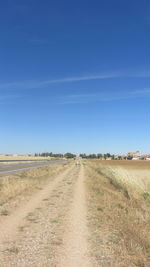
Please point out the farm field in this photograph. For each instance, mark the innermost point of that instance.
(5, 159)
(119, 199)
(87, 213)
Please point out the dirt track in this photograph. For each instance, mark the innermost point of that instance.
(75, 218)
(51, 228)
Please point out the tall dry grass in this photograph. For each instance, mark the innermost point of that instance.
(134, 183)
(119, 215)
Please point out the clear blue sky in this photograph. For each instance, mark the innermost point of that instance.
(74, 76)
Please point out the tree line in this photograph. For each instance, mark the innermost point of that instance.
(105, 156)
(97, 156)
(55, 155)
(69, 155)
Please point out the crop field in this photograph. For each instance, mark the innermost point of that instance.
(128, 174)
(119, 200)
(5, 159)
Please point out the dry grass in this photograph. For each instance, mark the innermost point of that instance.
(25, 183)
(127, 164)
(20, 158)
(132, 178)
(119, 214)
(129, 182)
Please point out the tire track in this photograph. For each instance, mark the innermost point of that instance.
(74, 252)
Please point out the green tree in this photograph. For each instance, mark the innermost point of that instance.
(69, 155)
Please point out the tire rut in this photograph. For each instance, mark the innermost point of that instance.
(74, 249)
(23, 215)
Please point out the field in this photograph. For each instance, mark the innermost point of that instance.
(90, 213)
(16, 158)
(119, 199)
(130, 174)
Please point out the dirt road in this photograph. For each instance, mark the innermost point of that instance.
(71, 216)
(51, 228)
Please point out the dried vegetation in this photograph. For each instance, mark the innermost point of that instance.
(25, 183)
(119, 215)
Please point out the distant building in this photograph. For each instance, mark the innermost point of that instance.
(136, 154)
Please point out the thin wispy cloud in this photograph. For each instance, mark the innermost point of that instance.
(104, 97)
(84, 78)
(39, 84)
(145, 91)
(32, 84)
(100, 77)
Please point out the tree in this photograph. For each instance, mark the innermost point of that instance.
(92, 156)
(113, 157)
(99, 156)
(84, 156)
(69, 155)
(105, 156)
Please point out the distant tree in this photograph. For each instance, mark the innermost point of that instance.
(105, 156)
(92, 156)
(99, 156)
(69, 155)
(84, 156)
(50, 154)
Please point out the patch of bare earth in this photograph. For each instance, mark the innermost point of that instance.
(74, 250)
(119, 223)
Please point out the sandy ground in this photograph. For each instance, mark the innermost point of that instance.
(51, 228)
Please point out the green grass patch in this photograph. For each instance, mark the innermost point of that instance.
(99, 209)
(146, 195)
(54, 221)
